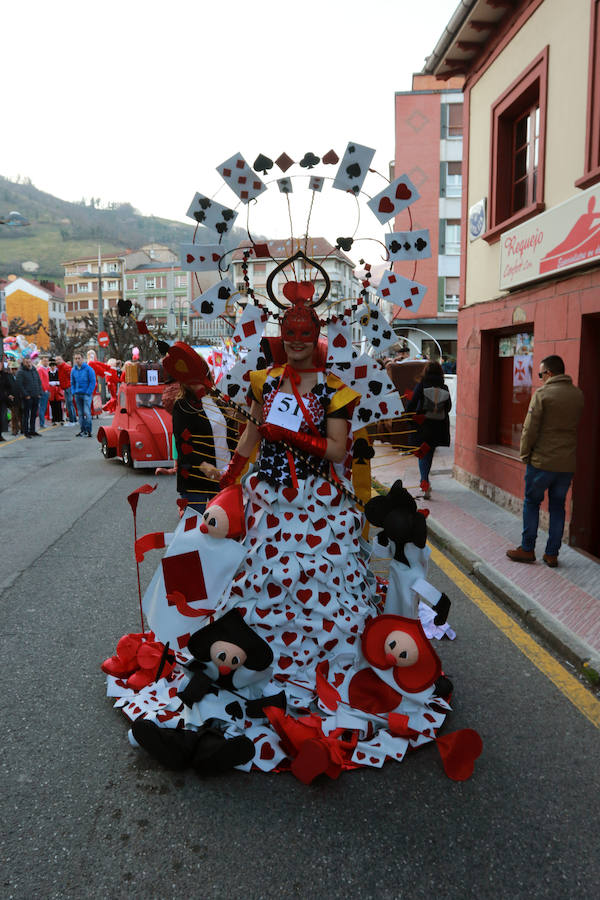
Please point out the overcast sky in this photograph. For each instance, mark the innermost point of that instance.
(139, 101)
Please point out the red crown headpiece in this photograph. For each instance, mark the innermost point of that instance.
(300, 322)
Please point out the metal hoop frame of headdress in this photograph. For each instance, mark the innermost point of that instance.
(286, 262)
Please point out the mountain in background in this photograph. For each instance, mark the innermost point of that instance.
(61, 230)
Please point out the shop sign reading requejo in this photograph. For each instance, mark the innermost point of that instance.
(564, 237)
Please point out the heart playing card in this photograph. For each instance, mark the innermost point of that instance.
(242, 180)
(339, 340)
(400, 194)
(212, 214)
(402, 291)
(405, 245)
(200, 257)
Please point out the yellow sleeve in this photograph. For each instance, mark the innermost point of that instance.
(257, 383)
(343, 395)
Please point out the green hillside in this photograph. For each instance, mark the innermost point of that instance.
(61, 230)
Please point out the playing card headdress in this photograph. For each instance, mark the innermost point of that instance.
(379, 397)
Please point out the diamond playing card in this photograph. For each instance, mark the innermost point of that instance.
(250, 327)
(402, 291)
(315, 183)
(396, 197)
(403, 245)
(212, 214)
(353, 168)
(200, 257)
(213, 301)
(242, 180)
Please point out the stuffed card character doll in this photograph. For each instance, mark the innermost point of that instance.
(231, 663)
(403, 539)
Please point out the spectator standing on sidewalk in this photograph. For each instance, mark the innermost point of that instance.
(431, 400)
(64, 377)
(42, 370)
(548, 447)
(16, 408)
(83, 382)
(30, 386)
(7, 395)
(56, 394)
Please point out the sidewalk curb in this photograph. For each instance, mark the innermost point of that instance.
(533, 614)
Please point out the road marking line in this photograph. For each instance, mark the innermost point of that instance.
(567, 684)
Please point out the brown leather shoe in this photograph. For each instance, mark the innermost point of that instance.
(520, 555)
(551, 561)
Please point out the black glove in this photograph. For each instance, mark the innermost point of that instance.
(255, 709)
(442, 608)
(197, 688)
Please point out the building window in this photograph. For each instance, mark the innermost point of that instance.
(451, 124)
(450, 237)
(259, 268)
(151, 283)
(181, 281)
(517, 144)
(451, 288)
(451, 179)
(592, 142)
(84, 304)
(506, 383)
(83, 287)
(132, 284)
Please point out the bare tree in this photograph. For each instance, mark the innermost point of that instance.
(27, 329)
(66, 338)
(123, 334)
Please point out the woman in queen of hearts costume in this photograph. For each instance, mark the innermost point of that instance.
(322, 690)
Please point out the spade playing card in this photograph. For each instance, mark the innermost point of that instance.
(376, 328)
(212, 214)
(242, 180)
(285, 185)
(315, 183)
(249, 328)
(200, 257)
(236, 382)
(409, 244)
(213, 301)
(396, 197)
(402, 291)
(353, 168)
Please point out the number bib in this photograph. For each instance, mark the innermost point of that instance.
(285, 412)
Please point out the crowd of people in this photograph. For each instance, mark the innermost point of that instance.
(49, 391)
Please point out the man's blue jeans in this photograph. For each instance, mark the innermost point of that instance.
(84, 408)
(69, 405)
(43, 406)
(537, 482)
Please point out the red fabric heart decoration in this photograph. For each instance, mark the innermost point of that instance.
(298, 291)
(459, 750)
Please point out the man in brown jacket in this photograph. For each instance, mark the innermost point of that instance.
(548, 447)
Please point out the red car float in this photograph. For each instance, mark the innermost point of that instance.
(141, 431)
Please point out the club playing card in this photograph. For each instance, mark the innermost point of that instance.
(200, 257)
(212, 214)
(396, 197)
(376, 328)
(315, 183)
(339, 340)
(242, 180)
(353, 168)
(236, 382)
(213, 301)
(249, 328)
(401, 291)
(285, 185)
(409, 244)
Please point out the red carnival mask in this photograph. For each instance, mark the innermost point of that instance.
(300, 323)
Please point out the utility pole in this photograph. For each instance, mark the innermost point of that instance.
(100, 306)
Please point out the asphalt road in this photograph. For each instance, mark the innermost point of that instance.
(84, 815)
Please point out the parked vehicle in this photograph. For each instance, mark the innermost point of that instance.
(141, 430)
